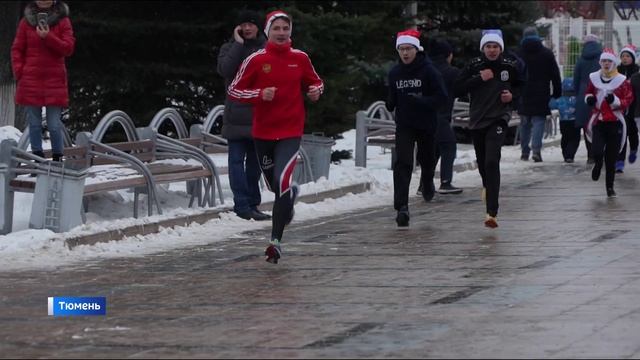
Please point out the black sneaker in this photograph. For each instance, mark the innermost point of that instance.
(258, 215)
(536, 157)
(595, 173)
(245, 215)
(524, 157)
(611, 193)
(447, 188)
(403, 217)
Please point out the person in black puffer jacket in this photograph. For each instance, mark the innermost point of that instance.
(542, 70)
(628, 68)
(416, 91)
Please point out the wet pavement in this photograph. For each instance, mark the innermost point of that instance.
(560, 278)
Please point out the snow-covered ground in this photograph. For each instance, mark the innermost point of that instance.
(26, 248)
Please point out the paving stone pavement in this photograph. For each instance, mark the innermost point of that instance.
(560, 278)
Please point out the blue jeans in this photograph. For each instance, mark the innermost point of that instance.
(244, 175)
(527, 123)
(54, 124)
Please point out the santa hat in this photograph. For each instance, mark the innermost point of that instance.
(608, 54)
(411, 37)
(491, 36)
(272, 16)
(631, 49)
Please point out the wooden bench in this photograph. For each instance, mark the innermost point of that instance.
(138, 164)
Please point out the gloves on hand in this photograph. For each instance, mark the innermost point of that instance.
(591, 100)
(609, 98)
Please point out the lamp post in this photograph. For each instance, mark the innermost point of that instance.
(608, 24)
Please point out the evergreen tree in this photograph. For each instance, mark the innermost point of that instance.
(462, 22)
(9, 17)
(142, 56)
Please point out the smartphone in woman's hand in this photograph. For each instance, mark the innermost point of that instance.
(42, 19)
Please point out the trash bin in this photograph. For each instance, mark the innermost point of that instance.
(316, 156)
(57, 199)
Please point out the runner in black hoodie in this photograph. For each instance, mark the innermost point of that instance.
(493, 84)
(416, 91)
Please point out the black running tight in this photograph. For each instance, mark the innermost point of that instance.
(606, 144)
(487, 143)
(277, 160)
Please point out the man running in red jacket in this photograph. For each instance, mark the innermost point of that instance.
(272, 79)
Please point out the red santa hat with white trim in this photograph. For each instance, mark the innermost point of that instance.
(608, 54)
(631, 49)
(272, 16)
(411, 37)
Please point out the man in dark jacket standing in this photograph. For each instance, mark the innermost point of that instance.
(244, 170)
(441, 54)
(416, 91)
(587, 63)
(493, 83)
(542, 69)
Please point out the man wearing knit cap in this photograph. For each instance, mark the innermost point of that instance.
(628, 68)
(441, 53)
(244, 171)
(586, 64)
(609, 94)
(493, 83)
(416, 91)
(542, 71)
(274, 80)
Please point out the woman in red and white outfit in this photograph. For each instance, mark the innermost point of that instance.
(273, 80)
(609, 93)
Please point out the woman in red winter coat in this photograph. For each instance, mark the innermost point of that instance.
(610, 94)
(43, 40)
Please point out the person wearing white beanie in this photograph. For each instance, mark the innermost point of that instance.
(493, 83)
(494, 36)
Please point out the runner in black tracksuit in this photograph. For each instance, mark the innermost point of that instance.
(416, 91)
(493, 85)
